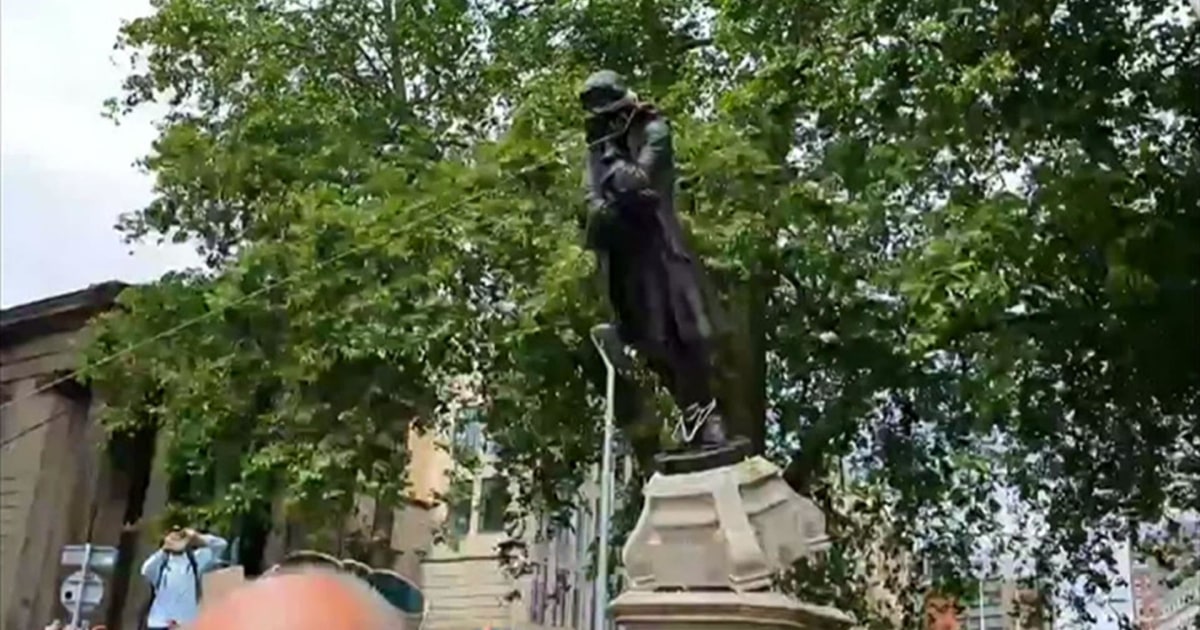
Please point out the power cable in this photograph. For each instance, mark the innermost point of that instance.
(33, 427)
(73, 374)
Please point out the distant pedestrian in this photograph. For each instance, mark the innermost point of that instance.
(174, 573)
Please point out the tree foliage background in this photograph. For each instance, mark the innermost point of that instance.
(960, 243)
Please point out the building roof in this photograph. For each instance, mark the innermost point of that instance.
(59, 313)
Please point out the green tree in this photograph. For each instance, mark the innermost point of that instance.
(959, 243)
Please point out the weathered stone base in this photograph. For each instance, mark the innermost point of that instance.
(729, 528)
(721, 610)
(707, 547)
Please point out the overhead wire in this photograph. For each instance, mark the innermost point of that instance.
(33, 427)
(268, 286)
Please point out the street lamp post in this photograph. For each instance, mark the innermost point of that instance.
(606, 483)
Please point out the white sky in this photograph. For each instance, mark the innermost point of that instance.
(65, 172)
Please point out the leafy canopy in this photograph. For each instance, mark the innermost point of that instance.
(962, 243)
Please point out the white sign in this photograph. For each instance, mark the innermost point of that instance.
(99, 558)
(83, 589)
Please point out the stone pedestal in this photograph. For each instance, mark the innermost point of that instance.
(645, 610)
(707, 546)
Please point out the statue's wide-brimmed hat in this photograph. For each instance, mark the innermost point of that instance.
(605, 92)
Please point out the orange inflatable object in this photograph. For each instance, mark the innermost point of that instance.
(307, 600)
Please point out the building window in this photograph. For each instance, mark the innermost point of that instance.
(458, 515)
(494, 499)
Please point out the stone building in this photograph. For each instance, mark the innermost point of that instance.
(999, 605)
(63, 482)
(60, 481)
(463, 579)
(1168, 598)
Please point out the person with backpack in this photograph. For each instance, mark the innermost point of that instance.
(174, 573)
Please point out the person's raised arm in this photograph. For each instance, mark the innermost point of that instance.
(216, 547)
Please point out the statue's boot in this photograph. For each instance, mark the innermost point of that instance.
(713, 433)
(708, 447)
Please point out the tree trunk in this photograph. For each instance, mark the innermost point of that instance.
(379, 546)
(743, 369)
(395, 68)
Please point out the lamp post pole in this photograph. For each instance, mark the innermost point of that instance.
(606, 485)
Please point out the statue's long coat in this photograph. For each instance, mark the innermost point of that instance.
(654, 281)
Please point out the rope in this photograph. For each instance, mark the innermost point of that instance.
(34, 427)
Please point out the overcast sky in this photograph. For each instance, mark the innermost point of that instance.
(65, 172)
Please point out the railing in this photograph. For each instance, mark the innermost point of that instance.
(551, 597)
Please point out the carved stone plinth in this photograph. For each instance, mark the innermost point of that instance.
(707, 546)
(644, 610)
(727, 528)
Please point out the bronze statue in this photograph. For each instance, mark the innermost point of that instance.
(654, 282)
